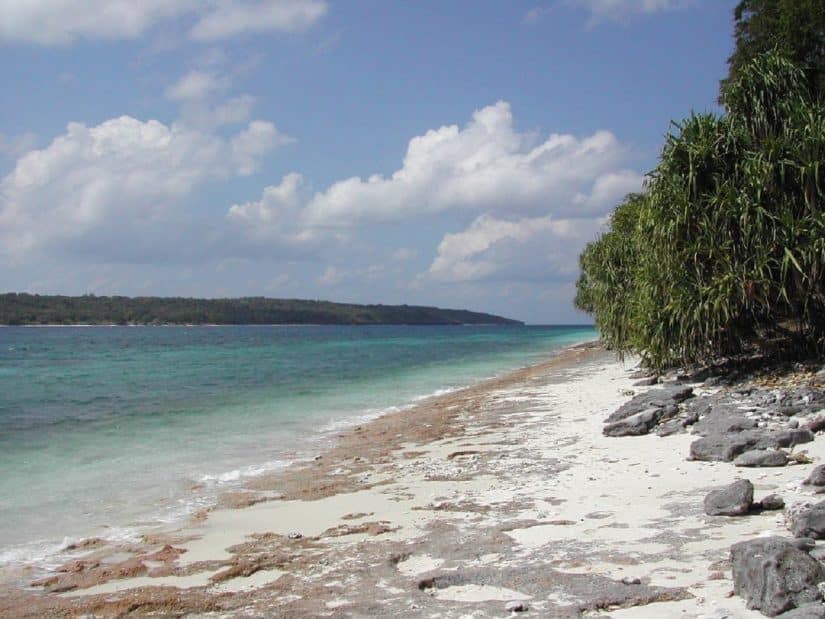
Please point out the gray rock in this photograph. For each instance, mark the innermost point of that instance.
(726, 447)
(817, 476)
(789, 438)
(723, 420)
(808, 521)
(646, 382)
(640, 423)
(732, 500)
(761, 457)
(816, 425)
(772, 502)
(655, 398)
(673, 426)
(774, 576)
(814, 610)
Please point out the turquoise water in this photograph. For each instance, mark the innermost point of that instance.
(111, 431)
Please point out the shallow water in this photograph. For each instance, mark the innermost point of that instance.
(110, 431)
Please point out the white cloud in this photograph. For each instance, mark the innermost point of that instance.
(101, 184)
(256, 140)
(60, 22)
(229, 19)
(195, 85)
(486, 166)
(621, 10)
(14, 147)
(541, 248)
(278, 204)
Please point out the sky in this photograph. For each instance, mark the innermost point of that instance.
(455, 153)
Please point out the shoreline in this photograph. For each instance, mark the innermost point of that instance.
(504, 491)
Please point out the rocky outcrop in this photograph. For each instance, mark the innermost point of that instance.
(761, 457)
(773, 575)
(732, 500)
(641, 414)
(725, 447)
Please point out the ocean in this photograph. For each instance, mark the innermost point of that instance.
(117, 431)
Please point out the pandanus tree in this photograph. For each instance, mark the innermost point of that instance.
(726, 245)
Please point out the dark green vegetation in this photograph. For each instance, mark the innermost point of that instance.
(27, 309)
(724, 250)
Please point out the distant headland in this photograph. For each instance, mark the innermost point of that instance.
(34, 309)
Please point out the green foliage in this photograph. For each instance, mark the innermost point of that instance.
(726, 247)
(28, 309)
(794, 28)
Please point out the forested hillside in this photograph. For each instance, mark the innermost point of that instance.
(28, 309)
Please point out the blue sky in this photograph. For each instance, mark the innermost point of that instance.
(453, 153)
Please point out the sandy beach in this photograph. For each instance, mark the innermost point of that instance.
(502, 497)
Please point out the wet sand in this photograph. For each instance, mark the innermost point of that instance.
(502, 494)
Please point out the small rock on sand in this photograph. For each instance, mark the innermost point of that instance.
(761, 457)
(732, 500)
(771, 502)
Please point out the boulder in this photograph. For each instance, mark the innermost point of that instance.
(655, 398)
(774, 576)
(640, 423)
(726, 447)
(673, 426)
(808, 521)
(723, 420)
(772, 502)
(817, 476)
(761, 457)
(732, 500)
(814, 610)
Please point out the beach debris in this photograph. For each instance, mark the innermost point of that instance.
(761, 458)
(516, 607)
(732, 500)
(773, 575)
(772, 502)
(627, 580)
(295, 535)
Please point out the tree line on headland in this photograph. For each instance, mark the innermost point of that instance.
(723, 250)
(32, 309)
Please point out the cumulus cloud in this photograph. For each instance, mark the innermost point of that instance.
(542, 248)
(277, 206)
(60, 22)
(104, 184)
(195, 85)
(252, 143)
(15, 146)
(621, 10)
(486, 165)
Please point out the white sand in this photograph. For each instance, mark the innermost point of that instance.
(625, 507)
